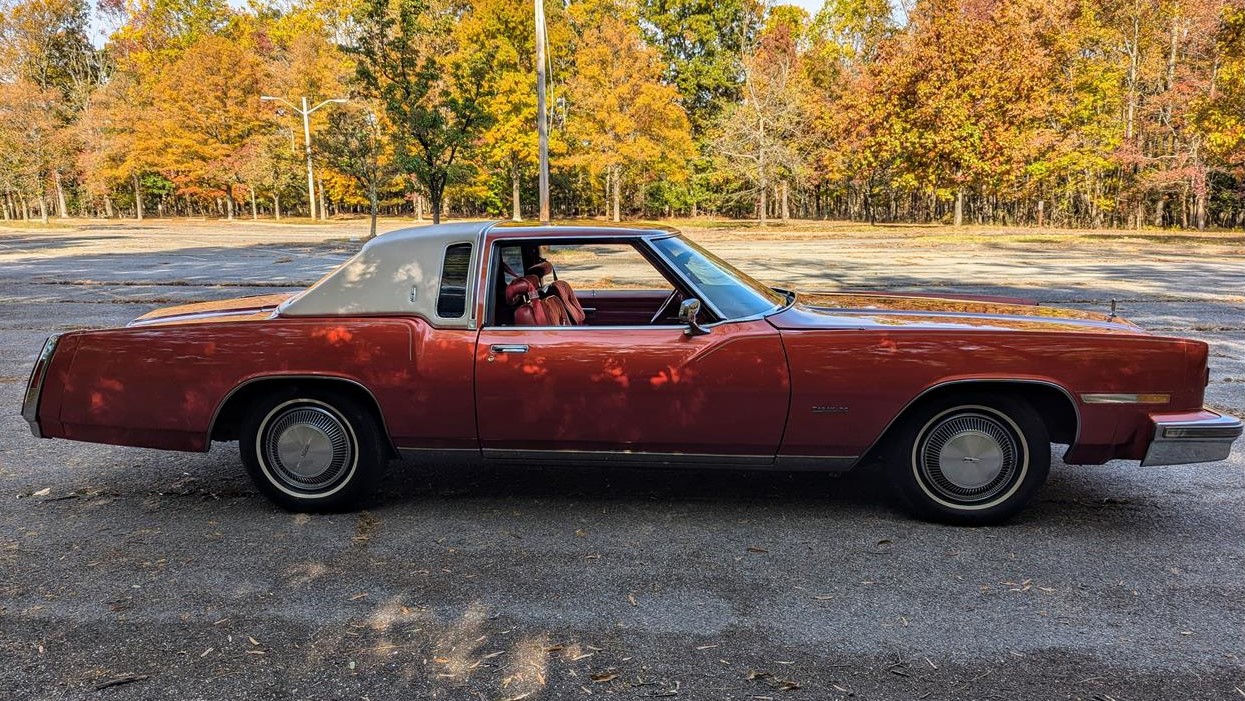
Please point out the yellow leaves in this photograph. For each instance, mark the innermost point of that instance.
(620, 111)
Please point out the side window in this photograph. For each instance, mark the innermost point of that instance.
(452, 299)
(604, 266)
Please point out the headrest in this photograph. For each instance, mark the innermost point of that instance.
(520, 290)
(540, 269)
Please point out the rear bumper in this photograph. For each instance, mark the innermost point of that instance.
(34, 387)
(1202, 436)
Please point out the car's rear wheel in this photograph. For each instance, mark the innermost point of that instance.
(971, 459)
(312, 451)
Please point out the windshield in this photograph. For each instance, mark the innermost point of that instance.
(727, 290)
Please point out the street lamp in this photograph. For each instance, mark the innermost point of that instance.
(306, 114)
(542, 123)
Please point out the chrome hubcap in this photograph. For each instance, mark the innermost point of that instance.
(969, 457)
(307, 448)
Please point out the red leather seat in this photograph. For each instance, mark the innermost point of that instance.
(562, 291)
(530, 309)
(559, 290)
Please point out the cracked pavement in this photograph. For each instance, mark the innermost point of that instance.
(137, 574)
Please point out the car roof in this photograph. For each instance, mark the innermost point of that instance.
(399, 272)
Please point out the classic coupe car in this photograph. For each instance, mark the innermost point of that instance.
(591, 343)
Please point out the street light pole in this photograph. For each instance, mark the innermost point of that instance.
(542, 119)
(306, 114)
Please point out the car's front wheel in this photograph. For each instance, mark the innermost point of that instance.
(312, 451)
(970, 460)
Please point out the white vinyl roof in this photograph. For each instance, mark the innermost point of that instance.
(395, 273)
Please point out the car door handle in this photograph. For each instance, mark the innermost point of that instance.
(504, 348)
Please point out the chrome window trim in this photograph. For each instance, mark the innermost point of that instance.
(34, 384)
(1198, 440)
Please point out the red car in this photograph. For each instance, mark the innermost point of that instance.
(627, 344)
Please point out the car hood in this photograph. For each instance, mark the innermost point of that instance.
(255, 308)
(872, 310)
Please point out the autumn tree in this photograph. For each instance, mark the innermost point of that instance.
(434, 87)
(759, 139)
(622, 119)
(206, 110)
(356, 145)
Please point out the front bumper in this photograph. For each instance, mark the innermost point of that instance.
(1203, 436)
(34, 387)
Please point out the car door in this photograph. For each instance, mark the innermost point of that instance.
(647, 391)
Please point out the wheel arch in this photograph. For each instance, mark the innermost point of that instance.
(227, 418)
(1052, 401)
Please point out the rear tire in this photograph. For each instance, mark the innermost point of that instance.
(313, 450)
(971, 460)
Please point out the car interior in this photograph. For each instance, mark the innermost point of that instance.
(563, 284)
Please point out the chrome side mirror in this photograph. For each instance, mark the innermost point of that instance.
(689, 309)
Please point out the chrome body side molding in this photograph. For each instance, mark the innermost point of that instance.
(817, 463)
(626, 456)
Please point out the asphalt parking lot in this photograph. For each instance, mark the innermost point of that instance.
(136, 574)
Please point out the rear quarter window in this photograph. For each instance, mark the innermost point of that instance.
(455, 269)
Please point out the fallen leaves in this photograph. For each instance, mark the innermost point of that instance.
(603, 677)
(772, 681)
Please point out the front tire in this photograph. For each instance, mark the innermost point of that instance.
(971, 459)
(312, 451)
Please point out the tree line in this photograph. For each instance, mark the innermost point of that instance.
(1096, 113)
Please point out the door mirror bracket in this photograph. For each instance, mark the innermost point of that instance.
(689, 309)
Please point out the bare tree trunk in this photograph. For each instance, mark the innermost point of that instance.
(138, 198)
(229, 203)
(276, 206)
(324, 213)
(254, 209)
(763, 205)
(516, 213)
(786, 206)
(959, 207)
(617, 192)
(43, 209)
(108, 206)
(62, 210)
(1041, 213)
(25, 207)
(419, 207)
(373, 208)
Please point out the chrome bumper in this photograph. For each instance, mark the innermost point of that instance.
(1181, 441)
(34, 386)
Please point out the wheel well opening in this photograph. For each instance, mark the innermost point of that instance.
(1051, 404)
(228, 422)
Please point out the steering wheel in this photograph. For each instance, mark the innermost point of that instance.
(665, 307)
